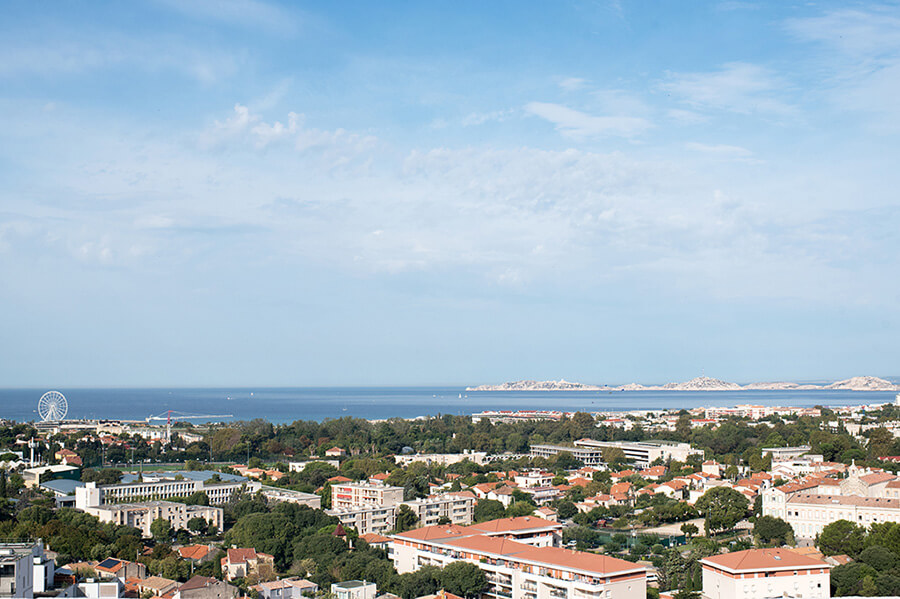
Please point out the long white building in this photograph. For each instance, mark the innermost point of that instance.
(517, 569)
(640, 453)
(141, 515)
(219, 493)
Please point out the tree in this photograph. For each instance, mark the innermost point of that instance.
(769, 529)
(488, 509)
(689, 529)
(464, 579)
(161, 529)
(840, 537)
(566, 461)
(722, 507)
(613, 455)
(878, 557)
(566, 509)
(406, 518)
(880, 442)
(197, 524)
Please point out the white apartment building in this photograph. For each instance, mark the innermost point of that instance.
(142, 515)
(459, 509)
(219, 493)
(765, 573)
(354, 589)
(534, 478)
(367, 519)
(517, 570)
(348, 495)
(640, 453)
(22, 568)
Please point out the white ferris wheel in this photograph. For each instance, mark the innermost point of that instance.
(52, 406)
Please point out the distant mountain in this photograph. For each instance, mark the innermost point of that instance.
(864, 383)
(559, 385)
(701, 383)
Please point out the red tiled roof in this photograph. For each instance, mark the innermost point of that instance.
(755, 560)
(512, 524)
(237, 556)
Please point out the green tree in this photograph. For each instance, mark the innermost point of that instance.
(488, 509)
(769, 529)
(878, 557)
(722, 508)
(841, 536)
(197, 524)
(464, 579)
(689, 529)
(566, 509)
(406, 518)
(161, 529)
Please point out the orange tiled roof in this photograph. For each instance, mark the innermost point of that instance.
(755, 560)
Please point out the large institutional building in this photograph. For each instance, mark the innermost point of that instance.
(141, 515)
(640, 453)
(521, 560)
(219, 493)
(864, 497)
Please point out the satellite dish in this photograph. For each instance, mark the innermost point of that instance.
(52, 406)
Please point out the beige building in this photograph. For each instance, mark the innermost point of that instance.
(348, 495)
(765, 573)
(243, 562)
(458, 509)
(367, 519)
(141, 515)
(864, 497)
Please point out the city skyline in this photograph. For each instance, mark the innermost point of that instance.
(259, 193)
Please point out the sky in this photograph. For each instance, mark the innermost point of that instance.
(239, 192)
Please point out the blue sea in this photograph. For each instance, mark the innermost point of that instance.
(282, 405)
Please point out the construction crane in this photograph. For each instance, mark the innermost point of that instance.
(167, 416)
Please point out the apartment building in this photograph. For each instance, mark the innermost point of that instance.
(765, 573)
(348, 495)
(443, 459)
(219, 493)
(141, 515)
(458, 509)
(517, 569)
(354, 589)
(367, 519)
(19, 563)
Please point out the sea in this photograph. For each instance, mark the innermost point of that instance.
(284, 405)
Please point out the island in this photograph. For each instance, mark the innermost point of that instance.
(701, 383)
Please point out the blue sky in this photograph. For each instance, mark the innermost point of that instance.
(236, 192)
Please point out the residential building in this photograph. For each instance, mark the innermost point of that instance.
(157, 585)
(458, 509)
(18, 563)
(243, 562)
(286, 588)
(120, 568)
(782, 454)
(141, 515)
(202, 587)
(197, 554)
(354, 589)
(335, 452)
(442, 459)
(347, 495)
(367, 519)
(280, 495)
(517, 570)
(765, 573)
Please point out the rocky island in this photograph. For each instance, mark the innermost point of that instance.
(701, 383)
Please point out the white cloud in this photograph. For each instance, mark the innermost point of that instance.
(480, 118)
(737, 87)
(723, 150)
(579, 125)
(571, 84)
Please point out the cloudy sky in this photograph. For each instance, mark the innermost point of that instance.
(238, 192)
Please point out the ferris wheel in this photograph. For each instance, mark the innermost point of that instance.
(52, 406)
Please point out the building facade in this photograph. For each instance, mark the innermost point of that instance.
(348, 495)
(765, 573)
(141, 515)
(519, 570)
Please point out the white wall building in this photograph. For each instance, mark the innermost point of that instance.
(347, 495)
(458, 509)
(141, 515)
(92, 494)
(516, 570)
(18, 564)
(765, 573)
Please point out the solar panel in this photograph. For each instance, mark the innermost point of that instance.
(108, 563)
